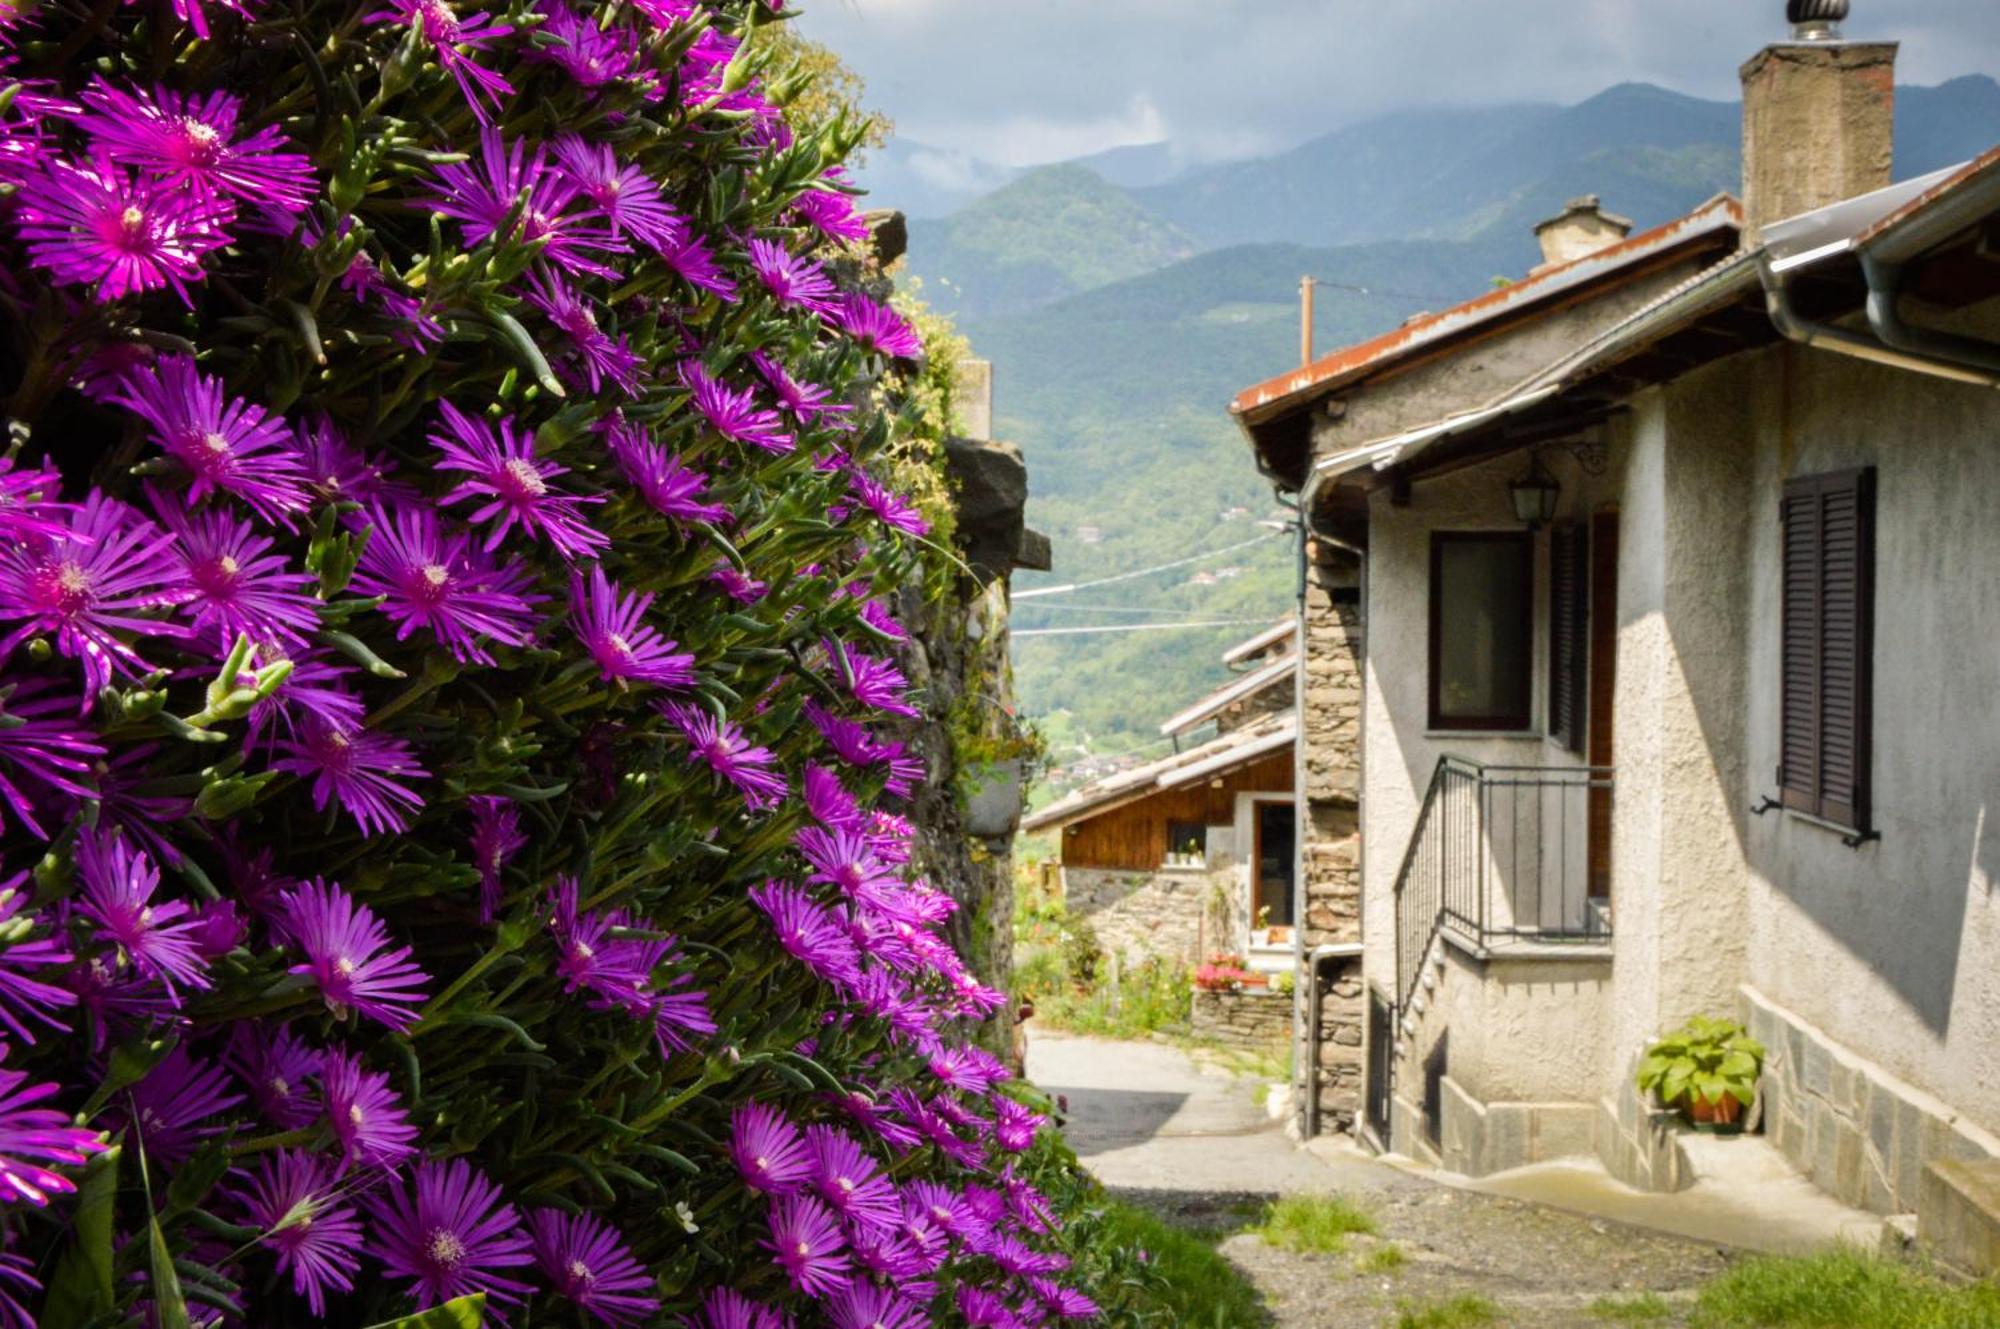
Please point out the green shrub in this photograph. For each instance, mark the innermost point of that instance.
(1839, 1288)
(1320, 1224)
(1466, 1311)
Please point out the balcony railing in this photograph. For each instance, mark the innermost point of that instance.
(1502, 857)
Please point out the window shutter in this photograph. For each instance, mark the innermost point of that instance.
(1569, 634)
(1827, 645)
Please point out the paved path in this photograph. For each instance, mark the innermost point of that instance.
(1193, 1143)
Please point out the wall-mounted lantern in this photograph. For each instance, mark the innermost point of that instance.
(1535, 494)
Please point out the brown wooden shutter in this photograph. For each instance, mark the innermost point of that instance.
(1827, 645)
(1569, 634)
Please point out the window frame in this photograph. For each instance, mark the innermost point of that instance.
(1167, 860)
(1522, 721)
(1567, 723)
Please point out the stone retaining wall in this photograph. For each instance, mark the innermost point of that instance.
(1255, 1019)
(1137, 915)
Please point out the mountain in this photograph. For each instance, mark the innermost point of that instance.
(924, 181)
(1121, 320)
(1054, 231)
(1136, 166)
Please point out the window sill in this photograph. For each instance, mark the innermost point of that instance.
(1184, 869)
(1508, 735)
(1849, 836)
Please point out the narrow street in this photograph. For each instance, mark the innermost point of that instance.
(1193, 1143)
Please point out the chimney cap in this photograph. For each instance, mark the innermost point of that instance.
(1816, 20)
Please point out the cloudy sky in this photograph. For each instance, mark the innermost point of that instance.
(1026, 81)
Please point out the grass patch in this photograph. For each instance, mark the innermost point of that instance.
(1839, 1288)
(1642, 1309)
(1382, 1260)
(1189, 1279)
(1466, 1311)
(1315, 1223)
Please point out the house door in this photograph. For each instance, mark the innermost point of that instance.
(1603, 685)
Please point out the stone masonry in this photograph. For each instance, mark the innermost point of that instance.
(1330, 844)
(1137, 915)
(1253, 1020)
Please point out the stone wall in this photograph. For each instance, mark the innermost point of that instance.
(1328, 1078)
(1254, 1020)
(1863, 1135)
(1137, 915)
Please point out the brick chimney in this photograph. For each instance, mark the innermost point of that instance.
(1819, 117)
(1583, 228)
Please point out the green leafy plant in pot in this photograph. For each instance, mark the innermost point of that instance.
(1708, 1069)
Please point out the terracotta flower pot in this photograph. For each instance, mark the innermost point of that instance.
(1720, 1118)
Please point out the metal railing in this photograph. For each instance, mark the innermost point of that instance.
(1502, 855)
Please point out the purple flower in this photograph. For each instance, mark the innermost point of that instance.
(889, 507)
(365, 1115)
(738, 586)
(484, 194)
(602, 356)
(1014, 1126)
(412, 325)
(450, 38)
(190, 141)
(99, 225)
(807, 1244)
(1063, 1302)
(298, 1208)
(226, 444)
(195, 16)
(496, 837)
(588, 1264)
(348, 956)
(435, 581)
(877, 327)
(721, 744)
(18, 1271)
(629, 198)
(695, 262)
(591, 55)
(275, 1064)
(871, 680)
(809, 932)
(32, 1136)
(40, 754)
(849, 1180)
(879, 618)
(611, 625)
(23, 997)
(335, 469)
(769, 1153)
(451, 1235)
(806, 401)
(361, 769)
(791, 281)
(869, 1306)
(239, 587)
(828, 801)
(512, 485)
(981, 1309)
(657, 473)
(725, 1308)
(90, 586)
(314, 693)
(831, 212)
(735, 414)
(619, 971)
(28, 506)
(851, 742)
(118, 887)
(173, 1109)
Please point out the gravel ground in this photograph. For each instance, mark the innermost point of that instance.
(1192, 1143)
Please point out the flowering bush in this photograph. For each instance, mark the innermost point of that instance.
(1222, 973)
(446, 845)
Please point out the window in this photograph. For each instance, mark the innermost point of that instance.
(1569, 634)
(1277, 838)
(1482, 620)
(1187, 844)
(1826, 644)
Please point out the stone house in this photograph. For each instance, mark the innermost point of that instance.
(1680, 585)
(1195, 854)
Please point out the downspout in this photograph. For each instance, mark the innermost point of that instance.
(1794, 326)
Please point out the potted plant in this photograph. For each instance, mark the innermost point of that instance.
(1222, 973)
(1708, 1069)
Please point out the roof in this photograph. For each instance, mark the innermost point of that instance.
(1260, 643)
(1286, 391)
(1237, 689)
(1230, 752)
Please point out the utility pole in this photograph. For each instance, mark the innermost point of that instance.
(1306, 285)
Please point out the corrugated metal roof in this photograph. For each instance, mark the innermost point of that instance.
(1274, 395)
(1218, 756)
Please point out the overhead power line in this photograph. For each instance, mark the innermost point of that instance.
(1141, 627)
(1040, 591)
(1140, 610)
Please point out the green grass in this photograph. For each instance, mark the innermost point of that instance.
(1191, 1281)
(1320, 1224)
(1642, 1309)
(1466, 1311)
(1842, 1288)
(1382, 1260)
